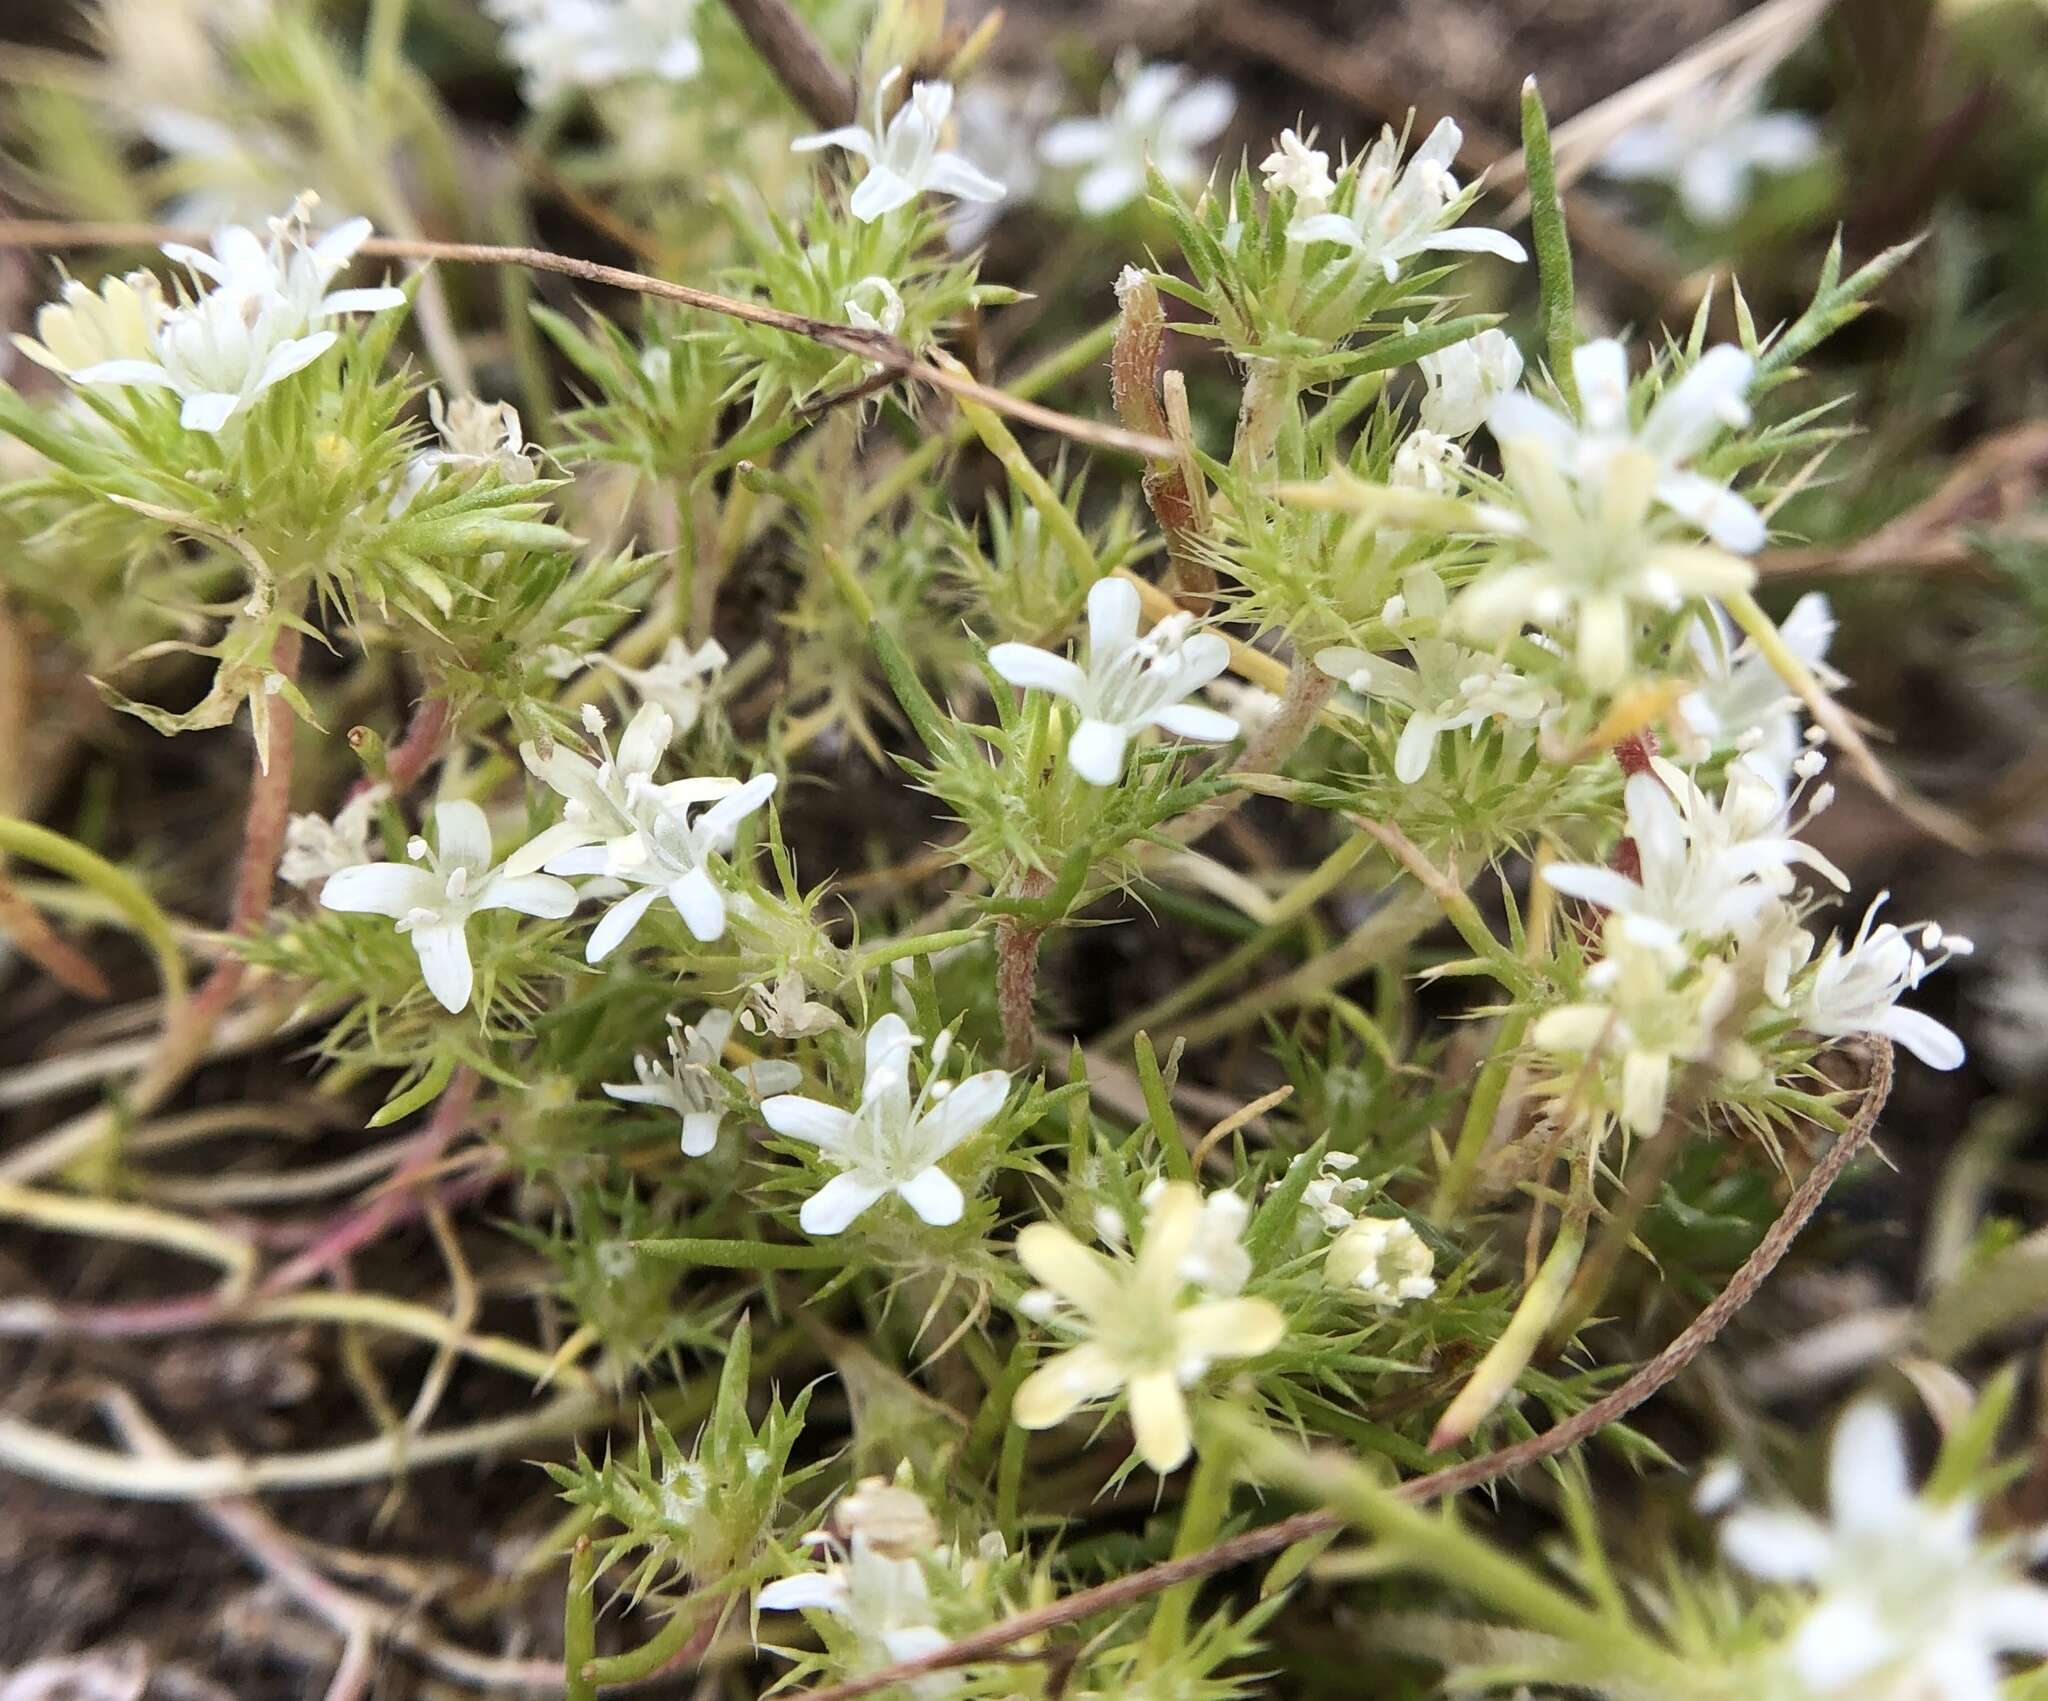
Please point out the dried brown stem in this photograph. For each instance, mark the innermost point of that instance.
(868, 345)
(800, 64)
(1267, 751)
(1454, 1479)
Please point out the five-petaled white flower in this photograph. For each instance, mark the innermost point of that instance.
(1398, 212)
(1707, 868)
(679, 682)
(687, 1084)
(1466, 379)
(891, 1141)
(1450, 686)
(1155, 115)
(433, 904)
(1128, 683)
(1140, 1335)
(559, 45)
(315, 847)
(1592, 555)
(604, 802)
(1684, 419)
(261, 322)
(672, 856)
(903, 156)
(1912, 1605)
(1855, 988)
(1708, 145)
(1383, 1259)
(1742, 702)
(1300, 170)
(874, 1579)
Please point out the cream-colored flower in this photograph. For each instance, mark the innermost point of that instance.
(86, 327)
(1384, 1259)
(1140, 1335)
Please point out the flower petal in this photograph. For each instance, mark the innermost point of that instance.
(700, 1132)
(462, 837)
(700, 903)
(1778, 1546)
(1063, 1382)
(881, 191)
(933, 1195)
(1097, 752)
(1159, 1416)
(1230, 1328)
(1191, 720)
(1113, 608)
(530, 894)
(833, 1208)
(1060, 1262)
(822, 1591)
(809, 1120)
(380, 888)
(444, 964)
(963, 1112)
(1032, 669)
(617, 922)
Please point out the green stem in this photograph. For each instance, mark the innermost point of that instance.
(654, 1655)
(920, 945)
(1201, 1521)
(91, 870)
(743, 1254)
(579, 1623)
(1480, 1110)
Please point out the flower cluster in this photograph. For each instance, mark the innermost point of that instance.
(262, 316)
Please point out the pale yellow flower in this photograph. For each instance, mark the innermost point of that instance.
(1141, 1336)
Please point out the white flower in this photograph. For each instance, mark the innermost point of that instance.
(1912, 1605)
(87, 327)
(680, 682)
(315, 847)
(1449, 687)
(1384, 1259)
(1398, 211)
(904, 158)
(1706, 870)
(475, 436)
(786, 1010)
(1683, 420)
(1154, 114)
(890, 1142)
(1128, 683)
(671, 855)
(1708, 145)
(604, 801)
(559, 45)
(1591, 557)
(1742, 703)
(1300, 170)
(1651, 1009)
(1466, 379)
(688, 1085)
(884, 1598)
(1139, 1333)
(1855, 989)
(887, 314)
(1331, 1200)
(433, 904)
(256, 327)
(1426, 461)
